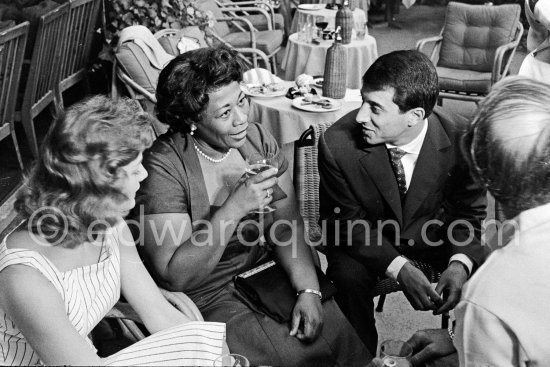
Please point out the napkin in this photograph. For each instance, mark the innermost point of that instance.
(260, 76)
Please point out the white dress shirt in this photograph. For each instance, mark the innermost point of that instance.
(409, 163)
(502, 318)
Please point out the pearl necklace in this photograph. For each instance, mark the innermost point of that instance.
(210, 159)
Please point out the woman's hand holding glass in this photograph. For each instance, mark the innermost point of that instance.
(258, 163)
(253, 192)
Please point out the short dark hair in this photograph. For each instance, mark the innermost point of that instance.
(508, 143)
(184, 84)
(70, 187)
(411, 74)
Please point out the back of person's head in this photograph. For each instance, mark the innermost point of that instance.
(508, 143)
(412, 76)
(184, 84)
(71, 186)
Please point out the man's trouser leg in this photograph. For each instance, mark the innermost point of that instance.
(355, 285)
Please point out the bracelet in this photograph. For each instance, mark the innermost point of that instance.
(451, 332)
(307, 290)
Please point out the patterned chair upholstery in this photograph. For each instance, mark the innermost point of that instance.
(475, 48)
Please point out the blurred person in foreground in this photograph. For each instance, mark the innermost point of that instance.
(502, 318)
(199, 230)
(395, 187)
(67, 264)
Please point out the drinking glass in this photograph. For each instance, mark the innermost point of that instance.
(233, 360)
(397, 351)
(320, 22)
(361, 32)
(257, 163)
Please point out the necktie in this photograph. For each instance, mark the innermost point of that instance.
(395, 158)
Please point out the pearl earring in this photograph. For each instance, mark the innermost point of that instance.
(193, 128)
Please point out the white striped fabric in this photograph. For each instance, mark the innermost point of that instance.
(196, 343)
(88, 292)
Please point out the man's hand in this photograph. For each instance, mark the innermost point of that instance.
(417, 288)
(430, 344)
(451, 283)
(307, 317)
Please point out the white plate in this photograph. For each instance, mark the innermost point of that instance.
(311, 6)
(264, 91)
(297, 102)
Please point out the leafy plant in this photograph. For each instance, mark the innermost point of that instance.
(154, 14)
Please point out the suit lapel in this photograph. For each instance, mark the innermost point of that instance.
(377, 165)
(432, 161)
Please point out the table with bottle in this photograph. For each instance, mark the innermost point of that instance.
(305, 56)
(286, 122)
(300, 19)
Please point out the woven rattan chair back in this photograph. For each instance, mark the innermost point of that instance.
(44, 70)
(76, 50)
(306, 178)
(12, 49)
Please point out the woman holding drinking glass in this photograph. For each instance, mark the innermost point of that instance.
(72, 256)
(199, 225)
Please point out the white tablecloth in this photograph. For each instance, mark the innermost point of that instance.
(300, 17)
(308, 58)
(287, 123)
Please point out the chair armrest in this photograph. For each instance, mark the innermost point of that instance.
(436, 40)
(235, 18)
(250, 2)
(269, 19)
(498, 71)
(239, 19)
(253, 51)
(133, 87)
(183, 303)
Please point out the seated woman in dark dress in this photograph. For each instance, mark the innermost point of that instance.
(198, 231)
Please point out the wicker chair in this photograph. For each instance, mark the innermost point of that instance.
(306, 185)
(261, 14)
(12, 49)
(475, 48)
(259, 44)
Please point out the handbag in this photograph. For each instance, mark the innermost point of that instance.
(267, 289)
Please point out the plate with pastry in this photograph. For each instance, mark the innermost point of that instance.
(264, 90)
(315, 103)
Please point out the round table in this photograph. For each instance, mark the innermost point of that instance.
(301, 57)
(287, 123)
(300, 17)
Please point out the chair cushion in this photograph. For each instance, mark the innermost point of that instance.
(266, 41)
(135, 63)
(259, 21)
(464, 80)
(472, 33)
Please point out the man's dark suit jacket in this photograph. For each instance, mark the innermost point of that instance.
(358, 183)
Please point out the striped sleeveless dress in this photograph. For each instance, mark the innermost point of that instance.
(89, 292)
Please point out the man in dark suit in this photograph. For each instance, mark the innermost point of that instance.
(394, 186)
